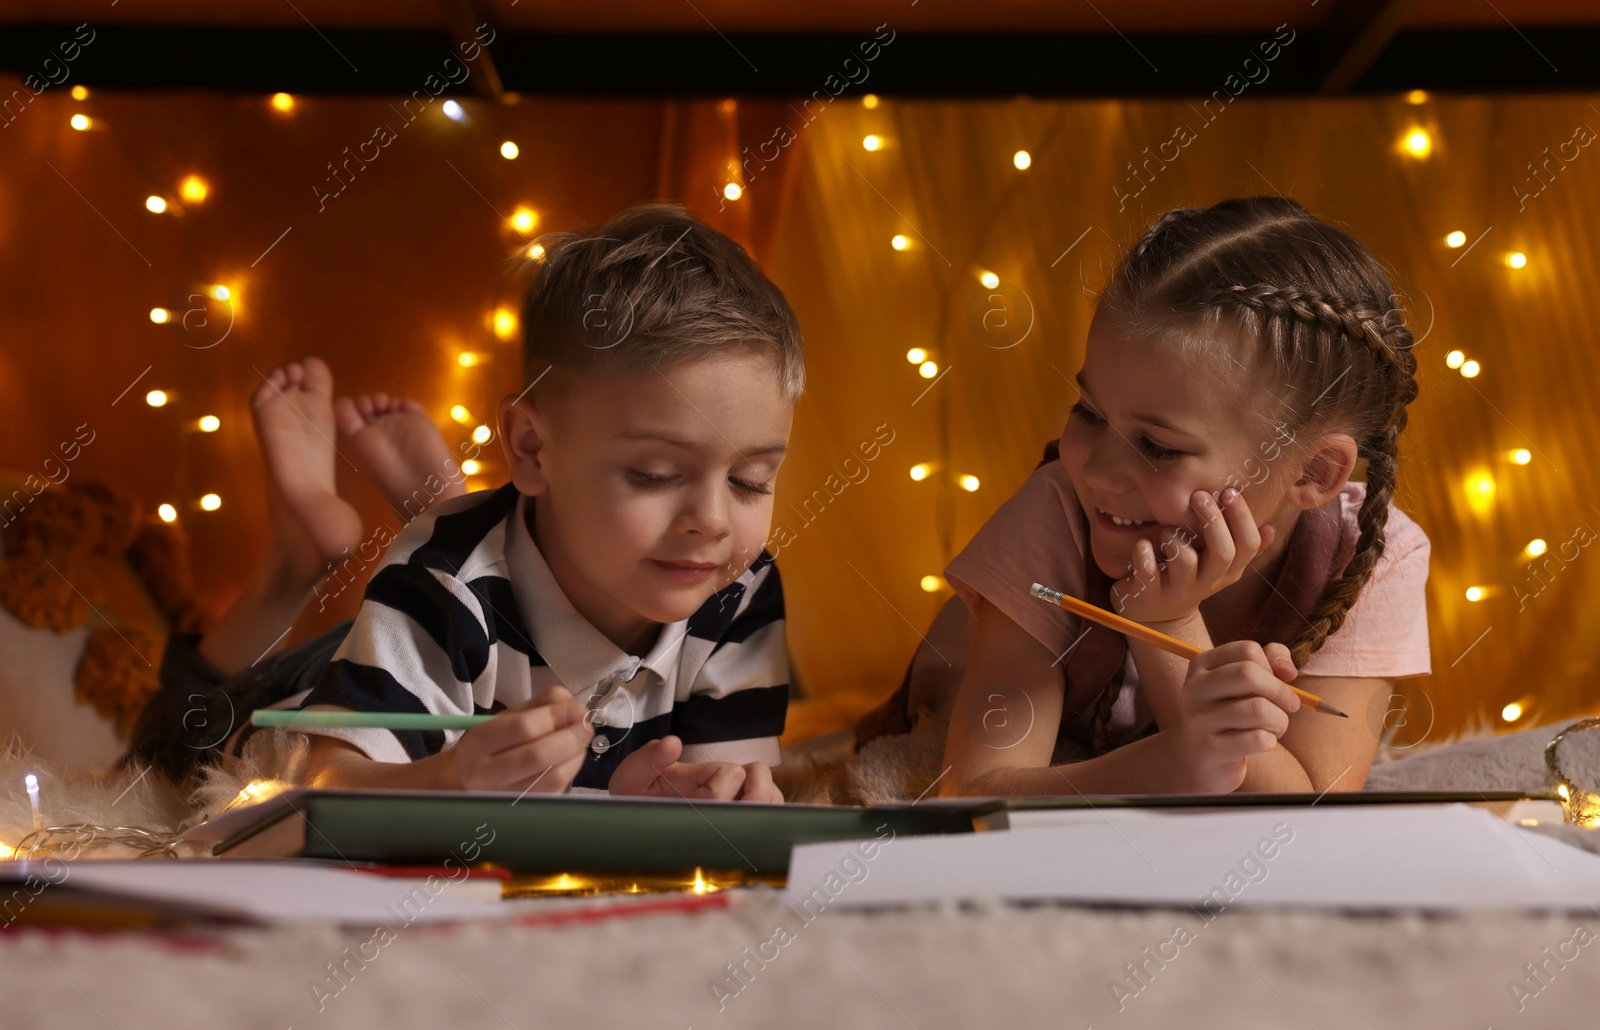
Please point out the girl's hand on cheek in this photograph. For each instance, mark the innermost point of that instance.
(1171, 577)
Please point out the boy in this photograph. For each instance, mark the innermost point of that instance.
(613, 603)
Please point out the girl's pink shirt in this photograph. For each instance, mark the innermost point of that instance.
(1035, 537)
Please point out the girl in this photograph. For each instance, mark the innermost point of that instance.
(1242, 359)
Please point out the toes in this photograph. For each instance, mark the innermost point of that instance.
(364, 403)
(382, 403)
(271, 385)
(315, 375)
(346, 417)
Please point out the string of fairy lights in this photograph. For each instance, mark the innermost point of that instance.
(193, 191)
(1417, 142)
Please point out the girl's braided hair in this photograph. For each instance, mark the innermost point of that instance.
(1316, 315)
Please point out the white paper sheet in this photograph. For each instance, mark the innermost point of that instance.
(1444, 857)
(265, 892)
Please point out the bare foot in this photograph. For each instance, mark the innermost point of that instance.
(312, 525)
(399, 448)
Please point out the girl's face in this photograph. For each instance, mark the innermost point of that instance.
(1151, 428)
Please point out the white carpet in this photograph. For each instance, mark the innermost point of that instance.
(983, 967)
(979, 966)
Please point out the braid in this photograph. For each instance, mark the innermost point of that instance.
(1390, 342)
(1314, 309)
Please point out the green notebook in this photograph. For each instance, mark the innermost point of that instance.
(556, 833)
(598, 833)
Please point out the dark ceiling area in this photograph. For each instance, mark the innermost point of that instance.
(1076, 48)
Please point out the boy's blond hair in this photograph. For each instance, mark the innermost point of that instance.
(652, 288)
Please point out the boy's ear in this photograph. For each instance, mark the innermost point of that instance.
(523, 432)
(1325, 471)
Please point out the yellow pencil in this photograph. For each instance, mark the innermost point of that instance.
(1128, 627)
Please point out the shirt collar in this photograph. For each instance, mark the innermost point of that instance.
(579, 654)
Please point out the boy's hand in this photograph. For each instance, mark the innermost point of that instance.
(538, 746)
(654, 771)
(1170, 578)
(1234, 703)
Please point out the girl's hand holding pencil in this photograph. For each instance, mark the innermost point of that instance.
(1235, 703)
(1236, 698)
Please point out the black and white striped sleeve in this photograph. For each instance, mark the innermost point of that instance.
(420, 644)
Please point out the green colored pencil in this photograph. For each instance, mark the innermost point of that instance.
(292, 719)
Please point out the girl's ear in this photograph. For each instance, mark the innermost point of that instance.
(1325, 471)
(523, 433)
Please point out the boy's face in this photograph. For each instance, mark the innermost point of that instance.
(653, 490)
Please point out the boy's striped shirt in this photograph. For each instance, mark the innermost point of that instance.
(464, 617)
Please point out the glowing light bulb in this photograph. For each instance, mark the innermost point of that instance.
(1022, 159)
(1454, 359)
(482, 434)
(283, 103)
(455, 112)
(900, 241)
(80, 122)
(1418, 143)
(989, 280)
(921, 471)
(1521, 456)
(928, 369)
(1516, 259)
(700, 886)
(470, 467)
(870, 101)
(509, 150)
(154, 204)
(1470, 369)
(1511, 712)
(536, 251)
(156, 398)
(160, 316)
(221, 292)
(916, 355)
(1474, 593)
(1481, 493)
(505, 323)
(193, 189)
(1561, 789)
(932, 583)
(969, 483)
(460, 414)
(733, 191)
(210, 502)
(210, 423)
(1455, 239)
(1417, 96)
(80, 92)
(467, 359)
(524, 218)
(1536, 547)
(168, 513)
(872, 142)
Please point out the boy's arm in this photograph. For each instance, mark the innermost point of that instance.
(420, 644)
(533, 746)
(335, 763)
